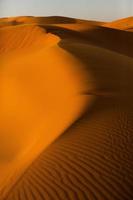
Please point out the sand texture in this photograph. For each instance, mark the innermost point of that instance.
(66, 109)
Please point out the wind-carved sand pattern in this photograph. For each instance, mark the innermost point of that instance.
(66, 109)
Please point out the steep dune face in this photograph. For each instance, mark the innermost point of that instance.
(74, 77)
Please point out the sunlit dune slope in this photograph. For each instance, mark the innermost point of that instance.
(66, 110)
(123, 24)
(24, 38)
(41, 93)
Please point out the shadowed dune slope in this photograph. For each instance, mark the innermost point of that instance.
(66, 95)
(97, 36)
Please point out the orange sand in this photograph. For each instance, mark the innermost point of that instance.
(74, 79)
(122, 24)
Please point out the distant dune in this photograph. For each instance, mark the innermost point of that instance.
(66, 109)
(122, 24)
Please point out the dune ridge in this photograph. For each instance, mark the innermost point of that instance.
(66, 95)
(122, 24)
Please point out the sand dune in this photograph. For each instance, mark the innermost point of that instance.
(122, 24)
(66, 109)
(44, 20)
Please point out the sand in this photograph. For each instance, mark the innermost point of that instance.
(66, 109)
(122, 24)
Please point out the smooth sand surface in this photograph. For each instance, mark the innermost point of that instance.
(66, 109)
(122, 24)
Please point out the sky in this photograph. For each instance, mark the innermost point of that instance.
(104, 10)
